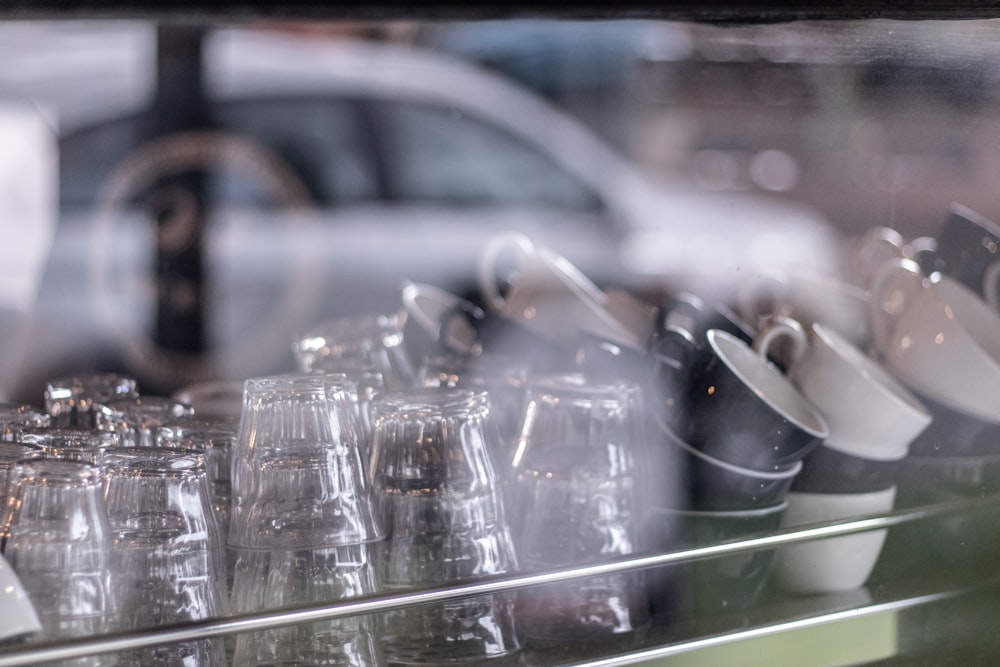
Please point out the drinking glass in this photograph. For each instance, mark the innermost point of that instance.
(303, 520)
(167, 553)
(440, 499)
(60, 548)
(70, 401)
(136, 418)
(10, 454)
(70, 443)
(503, 377)
(298, 480)
(214, 439)
(577, 490)
(358, 342)
(15, 416)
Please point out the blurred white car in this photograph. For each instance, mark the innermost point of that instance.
(314, 175)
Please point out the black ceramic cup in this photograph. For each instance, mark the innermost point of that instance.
(827, 470)
(968, 249)
(744, 411)
(714, 485)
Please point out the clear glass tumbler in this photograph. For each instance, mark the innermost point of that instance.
(71, 400)
(577, 491)
(358, 342)
(136, 418)
(441, 500)
(167, 552)
(303, 524)
(59, 545)
(15, 416)
(298, 478)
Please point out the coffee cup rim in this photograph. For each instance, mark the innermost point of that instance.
(726, 514)
(720, 340)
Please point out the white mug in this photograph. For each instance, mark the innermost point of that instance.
(17, 614)
(550, 296)
(830, 564)
(870, 414)
(938, 337)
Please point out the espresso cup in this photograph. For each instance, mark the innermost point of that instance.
(832, 564)
(938, 337)
(744, 411)
(549, 296)
(870, 414)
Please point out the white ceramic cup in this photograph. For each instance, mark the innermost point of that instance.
(808, 296)
(830, 564)
(938, 337)
(550, 296)
(17, 615)
(870, 414)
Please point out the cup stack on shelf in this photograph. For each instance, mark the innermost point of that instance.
(302, 522)
(555, 425)
(938, 331)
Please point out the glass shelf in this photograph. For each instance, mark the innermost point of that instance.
(877, 606)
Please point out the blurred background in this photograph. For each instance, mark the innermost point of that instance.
(182, 198)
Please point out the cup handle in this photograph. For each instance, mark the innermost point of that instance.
(894, 285)
(759, 297)
(486, 270)
(991, 285)
(875, 246)
(777, 327)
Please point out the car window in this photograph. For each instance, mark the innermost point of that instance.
(321, 139)
(443, 155)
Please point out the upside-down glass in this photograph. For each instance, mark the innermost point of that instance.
(298, 481)
(15, 416)
(440, 499)
(303, 521)
(576, 490)
(167, 549)
(70, 443)
(504, 377)
(214, 438)
(59, 546)
(71, 400)
(136, 418)
(10, 454)
(362, 342)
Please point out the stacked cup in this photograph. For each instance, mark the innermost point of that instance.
(742, 430)
(942, 339)
(872, 420)
(302, 521)
(441, 499)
